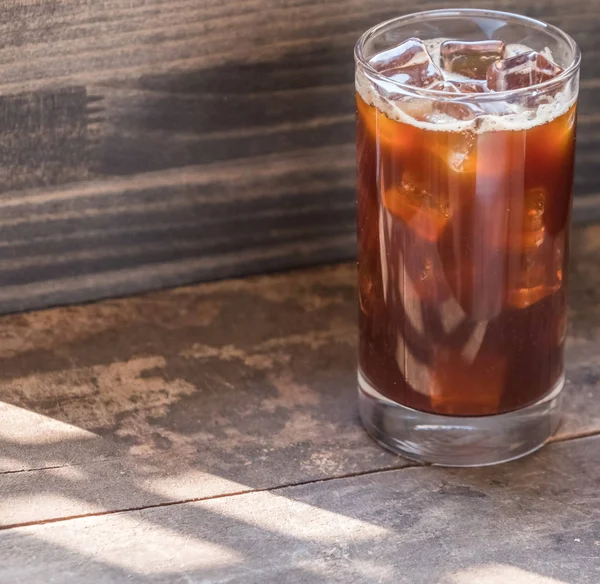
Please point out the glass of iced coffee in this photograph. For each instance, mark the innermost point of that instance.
(465, 152)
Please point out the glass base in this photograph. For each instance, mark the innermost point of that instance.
(458, 441)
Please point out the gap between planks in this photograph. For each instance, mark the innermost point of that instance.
(210, 497)
(250, 491)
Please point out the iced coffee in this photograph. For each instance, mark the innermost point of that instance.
(465, 153)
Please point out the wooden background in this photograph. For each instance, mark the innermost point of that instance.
(148, 143)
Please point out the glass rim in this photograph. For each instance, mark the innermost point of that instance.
(563, 77)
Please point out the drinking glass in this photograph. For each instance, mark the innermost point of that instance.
(464, 205)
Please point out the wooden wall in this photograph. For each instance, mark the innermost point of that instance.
(148, 143)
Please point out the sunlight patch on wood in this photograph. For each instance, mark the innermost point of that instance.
(500, 574)
(150, 548)
(24, 427)
(295, 519)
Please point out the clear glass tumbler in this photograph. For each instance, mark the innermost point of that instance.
(464, 201)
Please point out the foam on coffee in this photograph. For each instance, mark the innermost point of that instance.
(520, 119)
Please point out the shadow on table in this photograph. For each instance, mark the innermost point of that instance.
(536, 519)
(165, 405)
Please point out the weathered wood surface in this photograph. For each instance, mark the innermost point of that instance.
(214, 389)
(210, 434)
(536, 521)
(150, 143)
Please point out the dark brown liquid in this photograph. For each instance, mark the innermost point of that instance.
(463, 242)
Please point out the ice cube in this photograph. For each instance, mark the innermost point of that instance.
(523, 70)
(461, 152)
(535, 272)
(420, 267)
(425, 213)
(460, 110)
(420, 109)
(460, 86)
(453, 109)
(533, 224)
(473, 86)
(389, 134)
(498, 108)
(473, 262)
(447, 86)
(526, 229)
(454, 378)
(514, 49)
(409, 63)
(470, 59)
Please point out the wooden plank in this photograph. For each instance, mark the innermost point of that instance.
(233, 386)
(535, 521)
(213, 389)
(148, 144)
(185, 230)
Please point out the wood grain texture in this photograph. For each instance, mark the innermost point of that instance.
(536, 521)
(152, 143)
(221, 388)
(212, 390)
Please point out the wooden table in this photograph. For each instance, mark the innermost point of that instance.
(210, 434)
